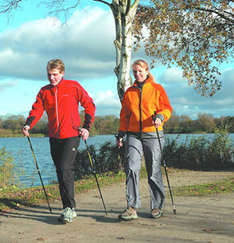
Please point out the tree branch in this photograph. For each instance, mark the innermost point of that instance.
(128, 6)
(135, 4)
(216, 12)
(9, 6)
(102, 1)
(229, 13)
(65, 9)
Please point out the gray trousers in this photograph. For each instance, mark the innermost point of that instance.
(136, 146)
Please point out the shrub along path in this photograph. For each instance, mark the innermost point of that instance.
(203, 219)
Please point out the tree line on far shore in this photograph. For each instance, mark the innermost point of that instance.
(205, 123)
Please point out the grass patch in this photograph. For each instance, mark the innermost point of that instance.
(15, 197)
(223, 186)
(9, 133)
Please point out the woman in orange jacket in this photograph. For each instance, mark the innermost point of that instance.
(145, 107)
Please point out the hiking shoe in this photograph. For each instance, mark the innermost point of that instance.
(67, 215)
(61, 216)
(128, 214)
(156, 213)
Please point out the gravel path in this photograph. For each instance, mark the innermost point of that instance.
(198, 219)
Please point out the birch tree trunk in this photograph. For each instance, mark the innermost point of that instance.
(124, 12)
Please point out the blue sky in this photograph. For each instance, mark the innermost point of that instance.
(30, 37)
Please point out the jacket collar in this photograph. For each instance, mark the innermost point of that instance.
(58, 85)
(148, 80)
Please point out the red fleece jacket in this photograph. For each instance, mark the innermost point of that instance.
(61, 103)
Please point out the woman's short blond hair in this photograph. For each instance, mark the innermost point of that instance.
(56, 64)
(141, 63)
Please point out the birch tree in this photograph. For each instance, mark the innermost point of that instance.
(195, 35)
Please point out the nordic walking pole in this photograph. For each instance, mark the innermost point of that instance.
(94, 173)
(39, 173)
(165, 168)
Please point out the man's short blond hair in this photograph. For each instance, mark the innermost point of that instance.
(56, 64)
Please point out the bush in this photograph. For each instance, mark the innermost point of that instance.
(201, 153)
(6, 168)
(196, 154)
(107, 159)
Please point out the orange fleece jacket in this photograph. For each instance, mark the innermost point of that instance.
(138, 106)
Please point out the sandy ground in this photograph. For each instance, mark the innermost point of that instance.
(198, 219)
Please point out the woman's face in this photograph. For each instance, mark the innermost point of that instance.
(140, 73)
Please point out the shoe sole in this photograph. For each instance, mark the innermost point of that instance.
(157, 216)
(61, 219)
(127, 219)
(67, 221)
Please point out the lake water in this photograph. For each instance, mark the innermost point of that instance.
(21, 152)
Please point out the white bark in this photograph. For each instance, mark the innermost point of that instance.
(124, 12)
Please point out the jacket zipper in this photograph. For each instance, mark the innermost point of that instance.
(140, 115)
(56, 106)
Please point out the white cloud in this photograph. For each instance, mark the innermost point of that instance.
(181, 100)
(8, 84)
(225, 101)
(185, 100)
(85, 43)
(107, 103)
(106, 98)
(173, 75)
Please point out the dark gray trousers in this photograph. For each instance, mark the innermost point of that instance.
(63, 152)
(136, 146)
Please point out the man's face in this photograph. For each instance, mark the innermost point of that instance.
(55, 76)
(139, 73)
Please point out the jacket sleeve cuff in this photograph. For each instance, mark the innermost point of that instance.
(160, 116)
(87, 122)
(120, 134)
(29, 121)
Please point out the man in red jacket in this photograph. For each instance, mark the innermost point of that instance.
(60, 99)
